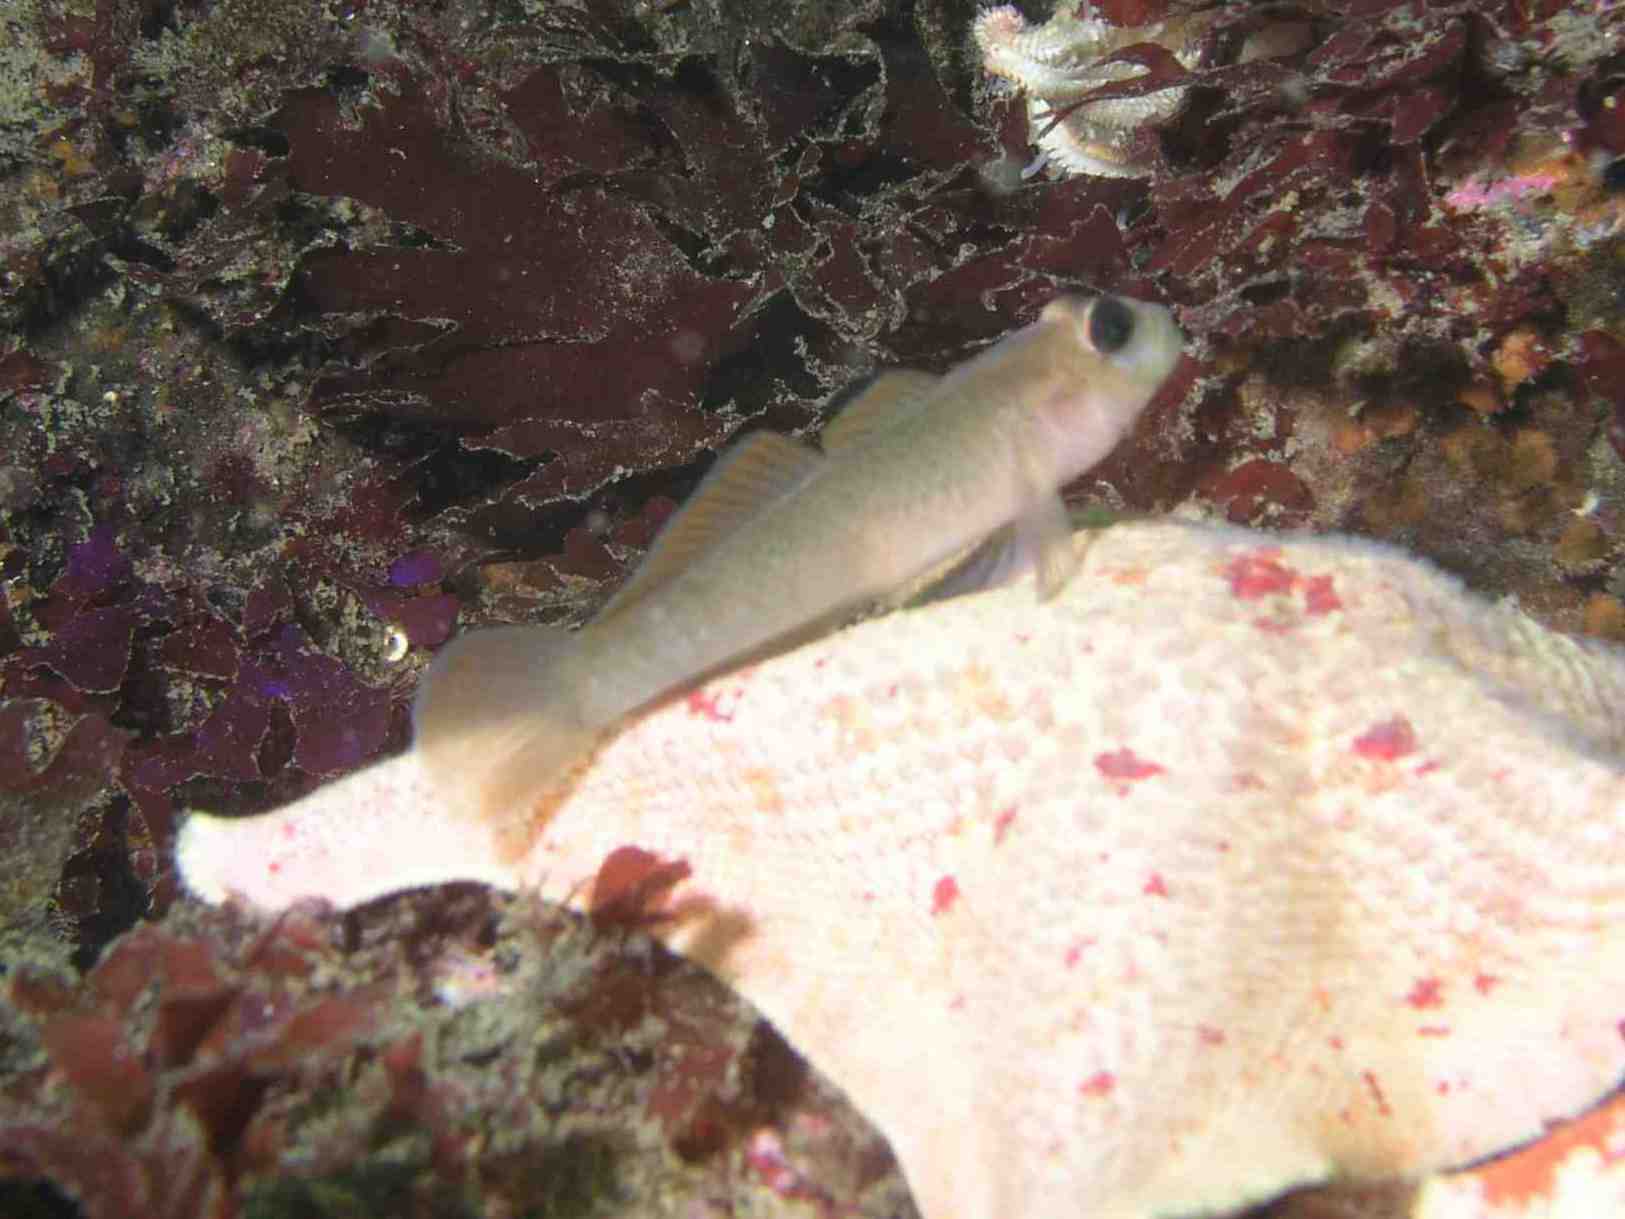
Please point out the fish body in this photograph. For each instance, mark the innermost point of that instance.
(1242, 863)
(781, 540)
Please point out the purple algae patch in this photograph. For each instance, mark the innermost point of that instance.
(206, 647)
(337, 739)
(92, 649)
(414, 568)
(96, 566)
(227, 744)
(269, 605)
(339, 721)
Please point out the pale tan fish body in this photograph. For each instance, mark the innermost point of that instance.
(1242, 863)
(781, 539)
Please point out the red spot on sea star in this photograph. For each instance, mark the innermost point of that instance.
(1425, 994)
(1319, 597)
(1210, 1035)
(1258, 575)
(1335, 1042)
(1376, 1093)
(1433, 1030)
(1100, 1083)
(1485, 983)
(1386, 741)
(1125, 765)
(708, 706)
(1002, 824)
(1155, 886)
(944, 894)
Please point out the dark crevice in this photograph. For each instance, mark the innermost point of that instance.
(453, 475)
(268, 140)
(121, 899)
(745, 379)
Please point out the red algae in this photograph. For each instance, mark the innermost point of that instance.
(164, 1045)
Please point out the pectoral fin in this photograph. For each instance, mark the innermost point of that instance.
(756, 471)
(1046, 532)
(1043, 529)
(996, 561)
(1042, 538)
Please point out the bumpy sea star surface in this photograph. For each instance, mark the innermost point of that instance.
(1246, 862)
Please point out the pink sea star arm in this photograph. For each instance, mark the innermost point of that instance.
(379, 831)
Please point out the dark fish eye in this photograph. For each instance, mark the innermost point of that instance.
(1111, 325)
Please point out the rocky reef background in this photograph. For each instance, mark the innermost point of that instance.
(326, 328)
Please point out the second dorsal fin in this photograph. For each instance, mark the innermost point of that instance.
(755, 472)
(889, 397)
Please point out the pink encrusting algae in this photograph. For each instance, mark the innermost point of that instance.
(1245, 862)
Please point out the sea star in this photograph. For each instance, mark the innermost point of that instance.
(1243, 863)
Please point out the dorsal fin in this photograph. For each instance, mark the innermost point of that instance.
(756, 471)
(889, 397)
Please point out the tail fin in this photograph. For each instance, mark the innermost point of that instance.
(497, 722)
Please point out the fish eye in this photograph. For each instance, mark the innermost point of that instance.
(1111, 325)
